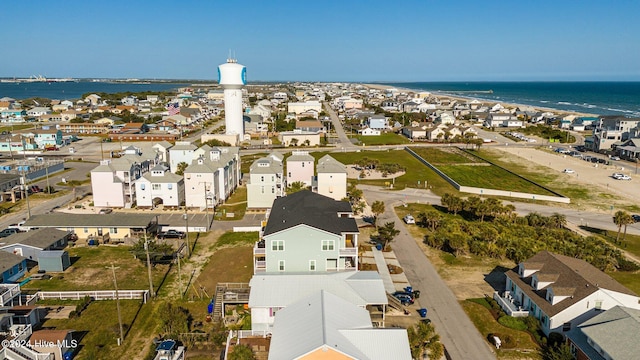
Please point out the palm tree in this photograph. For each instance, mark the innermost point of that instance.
(452, 203)
(627, 220)
(387, 233)
(558, 220)
(620, 218)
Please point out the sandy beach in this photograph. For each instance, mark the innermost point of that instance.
(484, 102)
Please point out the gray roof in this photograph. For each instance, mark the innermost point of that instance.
(9, 260)
(323, 321)
(275, 167)
(308, 208)
(64, 220)
(39, 238)
(615, 331)
(183, 146)
(8, 177)
(301, 157)
(166, 178)
(572, 277)
(327, 164)
(279, 290)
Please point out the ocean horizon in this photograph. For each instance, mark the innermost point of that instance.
(593, 97)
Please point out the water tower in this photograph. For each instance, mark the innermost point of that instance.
(232, 76)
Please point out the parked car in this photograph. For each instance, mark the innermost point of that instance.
(404, 299)
(624, 177)
(171, 234)
(409, 219)
(636, 217)
(19, 226)
(8, 232)
(616, 175)
(615, 158)
(568, 171)
(105, 211)
(35, 189)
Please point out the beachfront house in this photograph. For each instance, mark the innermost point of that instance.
(494, 120)
(561, 291)
(378, 122)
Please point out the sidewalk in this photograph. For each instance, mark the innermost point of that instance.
(383, 270)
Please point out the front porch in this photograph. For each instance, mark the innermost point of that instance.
(509, 305)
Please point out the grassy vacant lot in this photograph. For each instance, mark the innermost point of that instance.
(468, 170)
(236, 204)
(90, 271)
(418, 173)
(383, 139)
(525, 347)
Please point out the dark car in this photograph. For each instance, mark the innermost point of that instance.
(171, 234)
(404, 299)
(636, 217)
(7, 232)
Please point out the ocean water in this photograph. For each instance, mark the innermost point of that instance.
(600, 98)
(74, 90)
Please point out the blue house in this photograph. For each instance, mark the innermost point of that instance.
(11, 115)
(378, 122)
(12, 267)
(46, 137)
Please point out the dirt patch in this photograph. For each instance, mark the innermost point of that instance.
(227, 265)
(354, 173)
(394, 269)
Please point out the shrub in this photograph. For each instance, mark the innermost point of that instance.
(513, 323)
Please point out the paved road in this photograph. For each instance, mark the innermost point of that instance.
(344, 141)
(458, 334)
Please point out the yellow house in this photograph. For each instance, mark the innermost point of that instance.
(114, 226)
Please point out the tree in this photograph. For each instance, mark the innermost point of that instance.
(622, 218)
(423, 339)
(241, 352)
(559, 352)
(294, 142)
(377, 208)
(181, 167)
(558, 220)
(216, 142)
(295, 187)
(157, 251)
(175, 320)
(387, 232)
(452, 203)
(430, 218)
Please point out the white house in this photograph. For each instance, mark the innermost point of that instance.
(331, 180)
(181, 152)
(561, 291)
(369, 132)
(325, 326)
(306, 138)
(502, 120)
(212, 177)
(266, 182)
(300, 167)
(301, 107)
(271, 293)
(159, 187)
(113, 181)
(378, 122)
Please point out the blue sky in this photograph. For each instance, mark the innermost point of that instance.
(428, 40)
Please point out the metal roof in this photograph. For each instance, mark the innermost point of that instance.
(323, 321)
(281, 290)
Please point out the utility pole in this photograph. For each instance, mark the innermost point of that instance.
(146, 249)
(186, 221)
(179, 272)
(26, 193)
(115, 283)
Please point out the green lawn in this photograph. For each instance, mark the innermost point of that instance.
(491, 177)
(89, 271)
(486, 324)
(418, 171)
(235, 204)
(383, 139)
(445, 155)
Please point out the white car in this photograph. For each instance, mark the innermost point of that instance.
(615, 158)
(568, 171)
(624, 177)
(409, 219)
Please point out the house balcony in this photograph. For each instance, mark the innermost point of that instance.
(350, 251)
(511, 306)
(259, 266)
(259, 249)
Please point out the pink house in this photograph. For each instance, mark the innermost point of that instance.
(300, 167)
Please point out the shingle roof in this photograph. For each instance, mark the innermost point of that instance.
(9, 260)
(90, 220)
(574, 277)
(327, 164)
(615, 331)
(39, 238)
(315, 210)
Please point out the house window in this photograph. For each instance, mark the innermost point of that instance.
(281, 265)
(142, 186)
(303, 164)
(277, 245)
(156, 186)
(273, 190)
(169, 186)
(289, 173)
(328, 245)
(598, 304)
(86, 230)
(262, 188)
(261, 178)
(113, 230)
(20, 267)
(312, 265)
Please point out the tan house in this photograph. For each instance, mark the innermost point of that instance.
(56, 342)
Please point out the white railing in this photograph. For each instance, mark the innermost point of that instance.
(259, 251)
(9, 292)
(243, 334)
(348, 251)
(95, 295)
